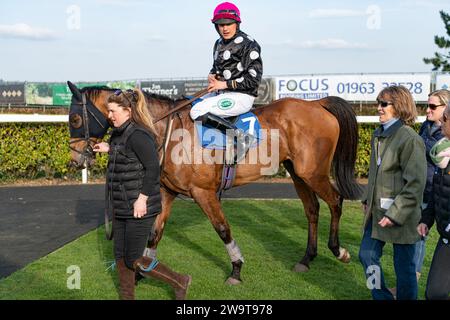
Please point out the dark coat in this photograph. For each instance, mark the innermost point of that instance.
(238, 62)
(430, 136)
(125, 175)
(438, 208)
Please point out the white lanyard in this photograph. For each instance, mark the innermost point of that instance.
(378, 153)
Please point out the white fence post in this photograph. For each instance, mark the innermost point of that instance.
(84, 175)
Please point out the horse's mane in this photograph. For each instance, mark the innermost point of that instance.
(93, 92)
(159, 97)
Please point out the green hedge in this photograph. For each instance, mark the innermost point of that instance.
(32, 151)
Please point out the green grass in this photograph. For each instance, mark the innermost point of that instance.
(272, 236)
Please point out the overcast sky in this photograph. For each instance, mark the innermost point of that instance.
(94, 40)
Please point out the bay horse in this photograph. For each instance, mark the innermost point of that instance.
(315, 139)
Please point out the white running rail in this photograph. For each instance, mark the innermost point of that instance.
(65, 118)
(14, 118)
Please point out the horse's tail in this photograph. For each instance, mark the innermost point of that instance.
(345, 155)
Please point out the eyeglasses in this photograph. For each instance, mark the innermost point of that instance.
(434, 106)
(383, 104)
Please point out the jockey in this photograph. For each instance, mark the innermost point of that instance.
(235, 76)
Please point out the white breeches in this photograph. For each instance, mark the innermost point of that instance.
(228, 104)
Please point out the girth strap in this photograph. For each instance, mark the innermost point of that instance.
(228, 176)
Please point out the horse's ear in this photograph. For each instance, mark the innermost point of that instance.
(75, 91)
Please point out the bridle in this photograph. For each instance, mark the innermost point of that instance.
(87, 153)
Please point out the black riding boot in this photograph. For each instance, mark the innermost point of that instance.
(243, 140)
(217, 122)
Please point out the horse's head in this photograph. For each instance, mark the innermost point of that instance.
(88, 122)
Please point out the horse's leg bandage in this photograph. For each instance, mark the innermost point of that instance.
(234, 252)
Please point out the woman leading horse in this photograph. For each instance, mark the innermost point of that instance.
(315, 138)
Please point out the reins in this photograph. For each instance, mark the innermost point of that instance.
(87, 151)
(182, 105)
(170, 120)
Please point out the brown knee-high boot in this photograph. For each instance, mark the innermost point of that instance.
(157, 270)
(126, 281)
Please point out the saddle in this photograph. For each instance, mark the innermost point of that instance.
(212, 138)
(247, 127)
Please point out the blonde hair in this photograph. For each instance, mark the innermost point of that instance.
(443, 95)
(136, 102)
(402, 102)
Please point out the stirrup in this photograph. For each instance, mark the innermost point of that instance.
(243, 144)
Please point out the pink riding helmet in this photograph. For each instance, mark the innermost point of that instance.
(226, 12)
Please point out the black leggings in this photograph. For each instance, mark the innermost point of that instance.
(438, 283)
(130, 238)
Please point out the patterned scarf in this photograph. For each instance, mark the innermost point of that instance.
(440, 153)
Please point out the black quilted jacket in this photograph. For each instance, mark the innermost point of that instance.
(430, 137)
(439, 207)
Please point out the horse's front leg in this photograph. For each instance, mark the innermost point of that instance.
(208, 202)
(160, 222)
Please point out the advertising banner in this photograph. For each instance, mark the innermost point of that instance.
(62, 95)
(171, 89)
(12, 94)
(40, 93)
(191, 87)
(442, 81)
(265, 91)
(351, 87)
(58, 94)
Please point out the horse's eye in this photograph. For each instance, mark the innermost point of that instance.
(75, 121)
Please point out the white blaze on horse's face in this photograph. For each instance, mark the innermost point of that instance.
(117, 114)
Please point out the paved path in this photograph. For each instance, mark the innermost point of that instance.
(35, 221)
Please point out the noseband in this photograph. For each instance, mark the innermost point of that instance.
(87, 153)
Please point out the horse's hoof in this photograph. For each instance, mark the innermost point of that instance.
(233, 281)
(344, 255)
(299, 267)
